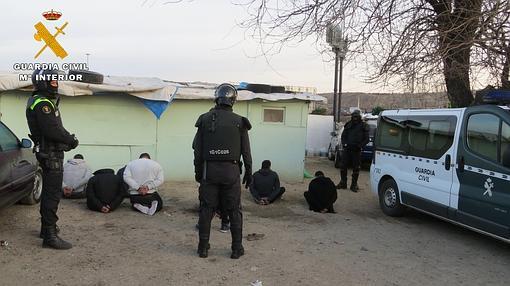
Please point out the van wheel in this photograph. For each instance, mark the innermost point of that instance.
(35, 195)
(389, 199)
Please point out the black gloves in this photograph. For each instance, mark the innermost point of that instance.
(198, 177)
(247, 179)
(75, 142)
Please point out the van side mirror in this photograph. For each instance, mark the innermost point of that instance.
(25, 143)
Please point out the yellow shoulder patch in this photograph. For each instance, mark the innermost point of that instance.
(46, 109)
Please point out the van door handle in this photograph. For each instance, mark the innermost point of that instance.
(461, 163)
(448, 162)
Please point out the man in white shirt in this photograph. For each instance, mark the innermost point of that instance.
(76, 176)
(143, 177)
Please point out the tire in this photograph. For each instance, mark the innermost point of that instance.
(389, 199)
(88, 76)
(259, 88)
(338, 159)
(34, 196)
(277, 89)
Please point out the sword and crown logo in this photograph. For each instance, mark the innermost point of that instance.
(50, 40)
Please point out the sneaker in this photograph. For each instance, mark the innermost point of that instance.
(153, 208)
(141, 208)
(354, 188)
(224, 228)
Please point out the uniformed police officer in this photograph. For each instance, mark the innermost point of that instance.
(51, 139)
(221, 139)
(354, 138)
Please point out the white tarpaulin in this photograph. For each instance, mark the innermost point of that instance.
(149, 89)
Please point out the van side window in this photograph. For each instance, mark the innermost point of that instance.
(505, 145)
(391, 134)
(431, 138)
(482, 135)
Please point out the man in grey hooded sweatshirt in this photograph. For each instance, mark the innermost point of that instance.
(76, 176)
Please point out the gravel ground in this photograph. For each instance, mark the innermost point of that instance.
(356, 246)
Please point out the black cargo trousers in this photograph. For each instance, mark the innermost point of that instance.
(53, 174)
(351, 156)
(222, 182)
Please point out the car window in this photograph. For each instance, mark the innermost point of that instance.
(482, 135)
(8, 141)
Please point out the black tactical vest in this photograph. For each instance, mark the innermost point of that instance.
(221, 135)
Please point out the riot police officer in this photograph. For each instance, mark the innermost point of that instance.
(51, 139)
(221, 139)
(354, 138)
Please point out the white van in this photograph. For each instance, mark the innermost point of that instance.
(450, 163)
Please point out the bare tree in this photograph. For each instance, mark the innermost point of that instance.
(422, 40)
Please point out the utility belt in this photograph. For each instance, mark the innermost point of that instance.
(46, 149)
(53, 161)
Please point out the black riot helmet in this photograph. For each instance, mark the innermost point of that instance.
(43, 83)
(356, 115)
(225, 94)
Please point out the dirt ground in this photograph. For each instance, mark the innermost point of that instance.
(356, 246)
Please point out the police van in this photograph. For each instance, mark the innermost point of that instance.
(450, 163)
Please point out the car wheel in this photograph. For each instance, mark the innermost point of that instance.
(338, 159)
(88, 76)
(389, 199)
(35, 195)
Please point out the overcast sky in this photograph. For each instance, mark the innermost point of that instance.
(190, 41)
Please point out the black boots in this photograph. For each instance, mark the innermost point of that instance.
(238, 252)
(342, 185)
(203, 249)
(41, 234)
(354, 184)
(51, 239)
(343, 180)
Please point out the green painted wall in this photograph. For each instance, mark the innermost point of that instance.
(114, 129)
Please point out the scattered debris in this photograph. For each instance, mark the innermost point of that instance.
(363, 248)
(4, 243)
(255, 236)
(256, 283)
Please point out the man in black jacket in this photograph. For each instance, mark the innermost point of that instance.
(265, 187)
(51, 140)
(221, 139)
(354, 138)
(104, 191)
(321, 194)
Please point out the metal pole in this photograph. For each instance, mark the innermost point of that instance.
(335, 93)
(339, 108)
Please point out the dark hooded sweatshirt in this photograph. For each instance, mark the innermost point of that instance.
(322, 192)
(104, 188)
(265, 184)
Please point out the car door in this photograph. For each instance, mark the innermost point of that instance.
(14, 170)
(484, 192)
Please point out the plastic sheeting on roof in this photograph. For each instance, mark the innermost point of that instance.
(155, 93)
